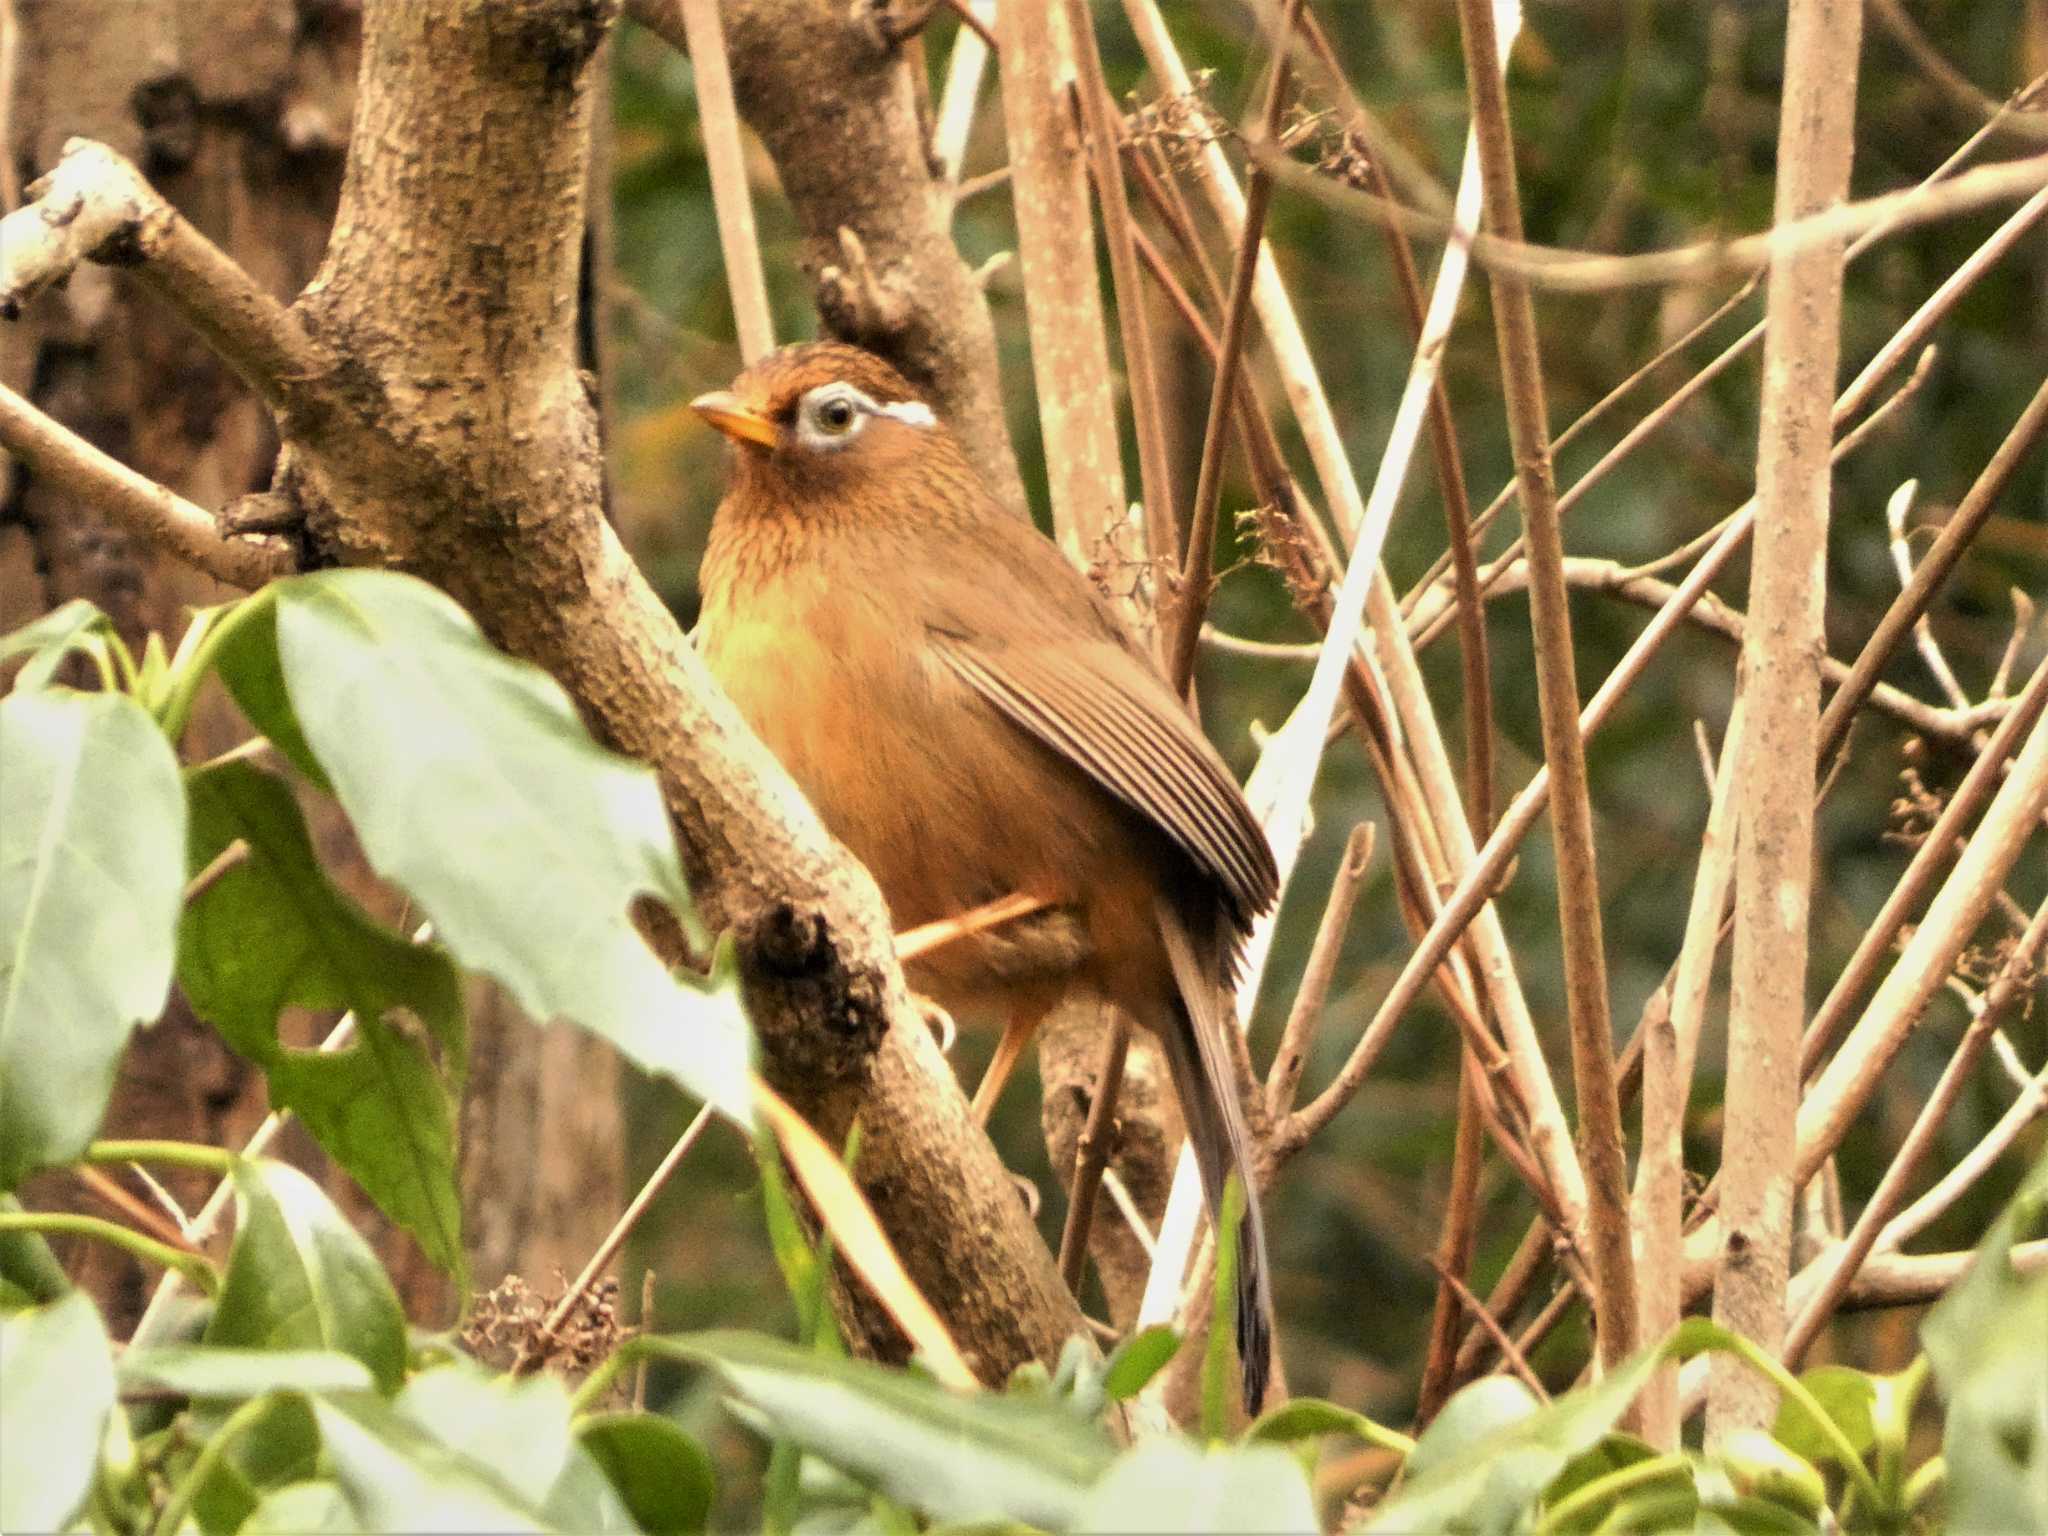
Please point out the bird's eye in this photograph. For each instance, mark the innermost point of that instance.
(836, 415)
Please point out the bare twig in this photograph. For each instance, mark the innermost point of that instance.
(229, 858)
(2016, 976)
(2003, 117)
(1928, 861)
(1062, 293)
(1195, 578)
(1091, 1153)
(95, 206)
(150, 1221)
(1453, 1257)
(1968, 1169)
(1516, 1360)
(1585, 964)
(1141, 372)
(1307, 1011)
(719, 118)
(1557, 270)
(1895, 508)
(1934, 567)
(529, 1357)
(1670, 1035)
(1841, 1091)
(1780, 700)
(152, 511)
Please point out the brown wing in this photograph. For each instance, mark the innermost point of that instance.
(1100, 707)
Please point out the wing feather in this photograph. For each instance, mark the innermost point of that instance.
(1096, 704)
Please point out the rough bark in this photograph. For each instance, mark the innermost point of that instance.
(452, 438)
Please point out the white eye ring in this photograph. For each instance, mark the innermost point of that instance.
(833, 415)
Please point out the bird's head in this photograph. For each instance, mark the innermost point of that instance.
(826, 422)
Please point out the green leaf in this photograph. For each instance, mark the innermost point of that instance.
(1305, 1418)
(1488, 1407)
(1984, 1341)
(664, 1476)
(472, 783)
(1169, 1486)
(1216, 1372)
(246, 659)
(92, 868)
(275, 933)
(299, 1277)
(219, 1372)
(1480, 1472)
(26, 1263)
(302, 1509)
(584, 1501)
(398, 1479)
(76, 626)
(948, 1456)
(1137, 1360)
(1847, 1395)
(519, 1430)
(56, 1390)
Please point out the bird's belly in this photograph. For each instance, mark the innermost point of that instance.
(947, 804)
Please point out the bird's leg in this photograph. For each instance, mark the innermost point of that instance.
(1024, 1022)
(914, 943)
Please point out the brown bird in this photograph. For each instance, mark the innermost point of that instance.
(971, 720)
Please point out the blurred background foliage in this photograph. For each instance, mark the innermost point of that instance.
(1640, 126)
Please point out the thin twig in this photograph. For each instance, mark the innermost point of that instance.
(2015, 976)
(1558, 270)
(1486, 1320)
(1307, 1011)
(1933, 855)
(1141, 368)
(1967, 1169)
(1196, 580)
(1578, 883)
(529, 1358)
(153, 512)
(1453, 1257)
(229, 858)
(725, 155)
(1895, 508)
(119, 1198)
(1091, 1153)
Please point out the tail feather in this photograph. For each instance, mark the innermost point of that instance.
(1205, 1081)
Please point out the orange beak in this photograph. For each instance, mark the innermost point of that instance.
(735, 418)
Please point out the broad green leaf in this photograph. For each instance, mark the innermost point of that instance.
(1985, 1342)
(397, 1478)
(245, 656)
(1304, 1418)
(1169, 1486)
(56, 1389)
(274, 933)
(948, 1456)
(76, 626)
(1481, 1482)
(517, 1429)
(221, 1372)
(1486, 1408)
(26, 1264)
(1847, 1395)
(92, 867)
(664, 1477)
(1137, 1360)
(300, 1277)
(472, 783)
(302, 1509)
(584, 1501)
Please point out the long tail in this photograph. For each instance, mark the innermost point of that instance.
(1205, 1080)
